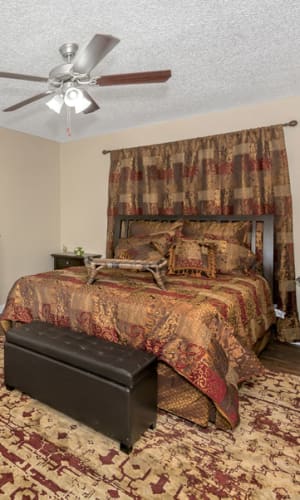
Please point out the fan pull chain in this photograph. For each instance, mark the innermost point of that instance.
(69, 130)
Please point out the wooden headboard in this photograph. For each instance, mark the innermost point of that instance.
(122, 224)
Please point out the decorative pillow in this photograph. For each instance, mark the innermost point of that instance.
(162, 242)
(138, 252)
(238, 231)
(132, 248)
(194, 257)
(144, 227)
(232, 257)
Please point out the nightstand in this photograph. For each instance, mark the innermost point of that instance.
(70, 259)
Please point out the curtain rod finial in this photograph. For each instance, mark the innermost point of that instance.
(292, 123)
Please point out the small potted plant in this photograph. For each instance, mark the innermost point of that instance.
(79, 251)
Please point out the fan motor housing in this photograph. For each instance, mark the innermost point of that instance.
(61, 73)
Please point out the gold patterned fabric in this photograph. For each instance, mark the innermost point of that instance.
(202, 328)
(237, 232)
(231, 257)
(126, 249)
(142, 228)
(244, 172)
(153, 245)
(177, 396)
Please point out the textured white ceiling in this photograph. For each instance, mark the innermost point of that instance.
(222, 53)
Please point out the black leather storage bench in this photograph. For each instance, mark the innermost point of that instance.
(110, 387)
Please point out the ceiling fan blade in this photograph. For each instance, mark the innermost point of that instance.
(92, 54)
(135, 78)
(28, 101)
(19, 76)
(93, 106)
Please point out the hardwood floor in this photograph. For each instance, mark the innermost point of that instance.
(281, 357)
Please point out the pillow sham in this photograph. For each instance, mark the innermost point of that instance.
(192, 257)
(149, 247)
(162, 242)
(236, 231)
(232, 258)
(139, 252)
(144, 227)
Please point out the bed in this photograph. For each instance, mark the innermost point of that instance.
(204, 326)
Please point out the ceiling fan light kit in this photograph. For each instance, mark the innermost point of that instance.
(71, 96)
(64, 80)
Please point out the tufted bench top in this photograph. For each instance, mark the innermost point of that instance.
(119, 363)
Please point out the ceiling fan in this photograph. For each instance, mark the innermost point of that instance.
(67, 82)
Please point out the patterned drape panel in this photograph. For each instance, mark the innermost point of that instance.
(243, 172)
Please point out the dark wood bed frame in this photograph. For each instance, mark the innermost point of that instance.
(122, 224)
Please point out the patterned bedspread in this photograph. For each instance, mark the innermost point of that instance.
(203, 328)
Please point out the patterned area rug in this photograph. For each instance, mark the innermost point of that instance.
(44, 454)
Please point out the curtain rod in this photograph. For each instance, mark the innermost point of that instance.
(291, 123)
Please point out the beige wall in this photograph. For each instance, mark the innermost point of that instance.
(83, 183)
(29, 206)
(84, 170)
